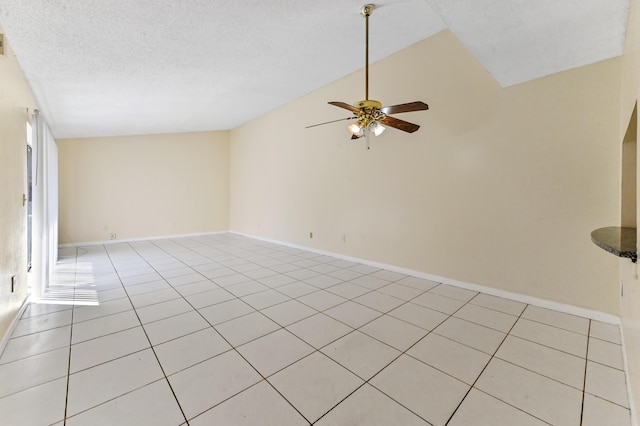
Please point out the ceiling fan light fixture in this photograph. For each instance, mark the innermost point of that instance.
(356, 129)
(377, 128)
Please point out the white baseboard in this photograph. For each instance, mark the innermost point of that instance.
(130, 240)
(14, 322)
(531, 300)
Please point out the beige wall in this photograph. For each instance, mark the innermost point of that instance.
(143, 186)
(500, 187)
(15, 98)
(630, 302)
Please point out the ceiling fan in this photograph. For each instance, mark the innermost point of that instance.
(370, 115)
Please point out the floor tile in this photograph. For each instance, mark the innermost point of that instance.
(138, 289)
(111, 294)
(104, 382)
(319, 329)
(424, 390)
(197, 287)
(563, 340)
(486, 317)
(258, 405)
(210, 382)
(185, 279)
(106, 348)
(345, 274)
(288, 312)
(368, 406)
(208, 298)
(544, 398)
(173, 327)
(277, 280)
(37, 343)
(388, 275)
(40, 405)
(229, 280)
(24, 373)
(302, 274)
(275, 351)
(42, 323)
(598, 412)
(246, 328)
(606, 353)
(394, 332)
(353, 314)
(260, 273)
(153, 404)
(163, 310)
(608, 332)
(86, 313)
(104, 325)
(607, 383)
(557, 319)
(226, 311)
(297, 289)
(499, 304)
(154, 297)
(418, 315)
(35, 309)
(183, 352)
(480, 409)
(364, 269)
(370, 282)
(315, 384)
(418, 283)
(477, 336)
(452, 292)
(176, 272)
(400, 291)
(264, 299)
(348, 290)
(379, 301)
(323, 281)
(361, 354)
(438, 303)
(561, 366)
(460, 361)
(246, 288)
(321, 300)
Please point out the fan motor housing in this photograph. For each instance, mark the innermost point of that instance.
(368, 103)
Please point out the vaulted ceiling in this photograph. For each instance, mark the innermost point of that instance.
(122, 67)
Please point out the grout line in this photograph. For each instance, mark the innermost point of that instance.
(66, 398)
(584, 380)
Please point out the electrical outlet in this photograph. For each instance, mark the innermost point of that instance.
(310, 234)
(344, 238)
(112, 236)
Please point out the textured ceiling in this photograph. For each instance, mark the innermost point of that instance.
(122, 67)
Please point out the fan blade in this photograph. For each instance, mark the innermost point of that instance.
(411, 106)
(355, 137)
(346, 106)
(405, 126)
(329, 122)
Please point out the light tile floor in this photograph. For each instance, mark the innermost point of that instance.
(228, 330)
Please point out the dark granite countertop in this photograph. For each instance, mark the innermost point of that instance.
(617, 240)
